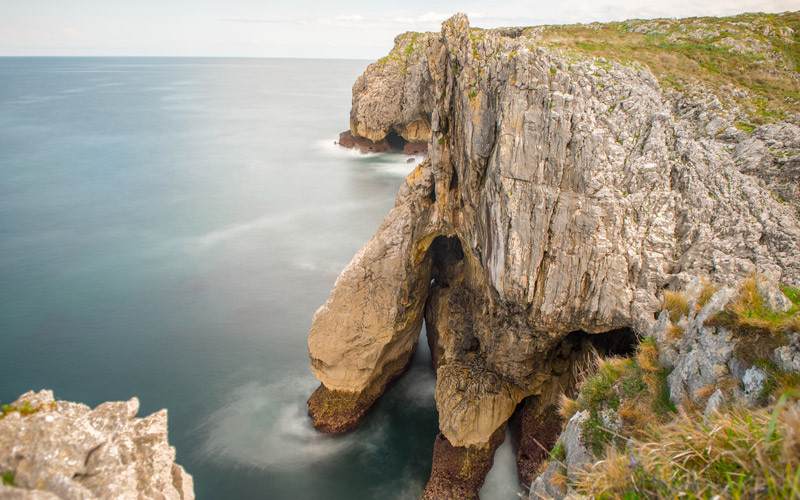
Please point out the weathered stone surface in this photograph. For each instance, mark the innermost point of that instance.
(69, 451)
(550, 484)
(753, 381)
(578, 457)
(714, 403)
(564, 194)
(772, 295)
(788, 357)
(348, 140)
(704, 351)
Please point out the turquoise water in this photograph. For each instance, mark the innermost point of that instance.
(167, 229)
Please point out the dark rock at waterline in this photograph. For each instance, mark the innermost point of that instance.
(459, 471)
(348, 140)
(415, 148)
(535, 430)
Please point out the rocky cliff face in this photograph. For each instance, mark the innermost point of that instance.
(62, 450)
(562, 194)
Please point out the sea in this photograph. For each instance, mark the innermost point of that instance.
(168, 226)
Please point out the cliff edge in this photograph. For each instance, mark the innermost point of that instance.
(62, 450)
(567, 188)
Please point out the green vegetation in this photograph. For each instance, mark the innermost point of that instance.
(8, 478)
(739, 454)
(753, 52)
(24, 410)
(757, 328)
(558, 453)
(634, 389)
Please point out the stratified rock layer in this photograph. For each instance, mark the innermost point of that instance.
(69, 451)
(560, 196)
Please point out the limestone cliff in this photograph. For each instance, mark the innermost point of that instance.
(562, 194)
(62, 450)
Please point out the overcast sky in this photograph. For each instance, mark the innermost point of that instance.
(357, 29)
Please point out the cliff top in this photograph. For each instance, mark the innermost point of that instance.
(752, 59)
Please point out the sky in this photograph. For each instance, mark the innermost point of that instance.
(345, 29)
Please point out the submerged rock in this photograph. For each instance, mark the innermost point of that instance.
(70, 451)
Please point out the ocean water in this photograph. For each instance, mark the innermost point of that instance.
(167, 229)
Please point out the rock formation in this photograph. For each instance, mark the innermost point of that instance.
(562, 194)
(62, 450)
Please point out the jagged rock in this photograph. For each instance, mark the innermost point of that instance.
(753, 380)
(69, 451)
(578, 457)
(772, 295)
(550, 484)
(714, 403)
(561, 195)
(348, 140)
(704, 353)
(788, 357)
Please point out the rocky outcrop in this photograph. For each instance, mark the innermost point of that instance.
(710, 371)
(562, 194)
(61, 450)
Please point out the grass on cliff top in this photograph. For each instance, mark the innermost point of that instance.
(757, 328)
(741, 453)
(634, 388)
(681, 51)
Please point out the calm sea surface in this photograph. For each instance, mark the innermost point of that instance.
(167, 229)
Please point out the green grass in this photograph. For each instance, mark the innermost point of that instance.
(635, 388)
(24, 410)
(758, 330)
(678, 59)
(8, 478)
(742, 453)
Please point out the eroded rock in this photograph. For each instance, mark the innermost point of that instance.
(70, 451)
(564, 194)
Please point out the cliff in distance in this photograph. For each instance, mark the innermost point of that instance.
(574, 175)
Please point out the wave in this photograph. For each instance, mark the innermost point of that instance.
(392, 163)
(267, 427)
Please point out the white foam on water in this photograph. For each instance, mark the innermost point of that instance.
(394, 163)
(501, 481)
(232, 231)
(267, 427)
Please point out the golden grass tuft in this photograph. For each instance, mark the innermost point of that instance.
(741, 453)
(705, 295)
(675, 304)
(757, 328)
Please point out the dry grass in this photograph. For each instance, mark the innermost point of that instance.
(705, 295)
(678, 59)
(675, 304)
(634, 387)
(757, 328)
(738, 454)
(675, 332)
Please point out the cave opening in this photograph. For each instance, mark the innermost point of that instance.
(536, 423)
(395, 141)
(447, 254)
